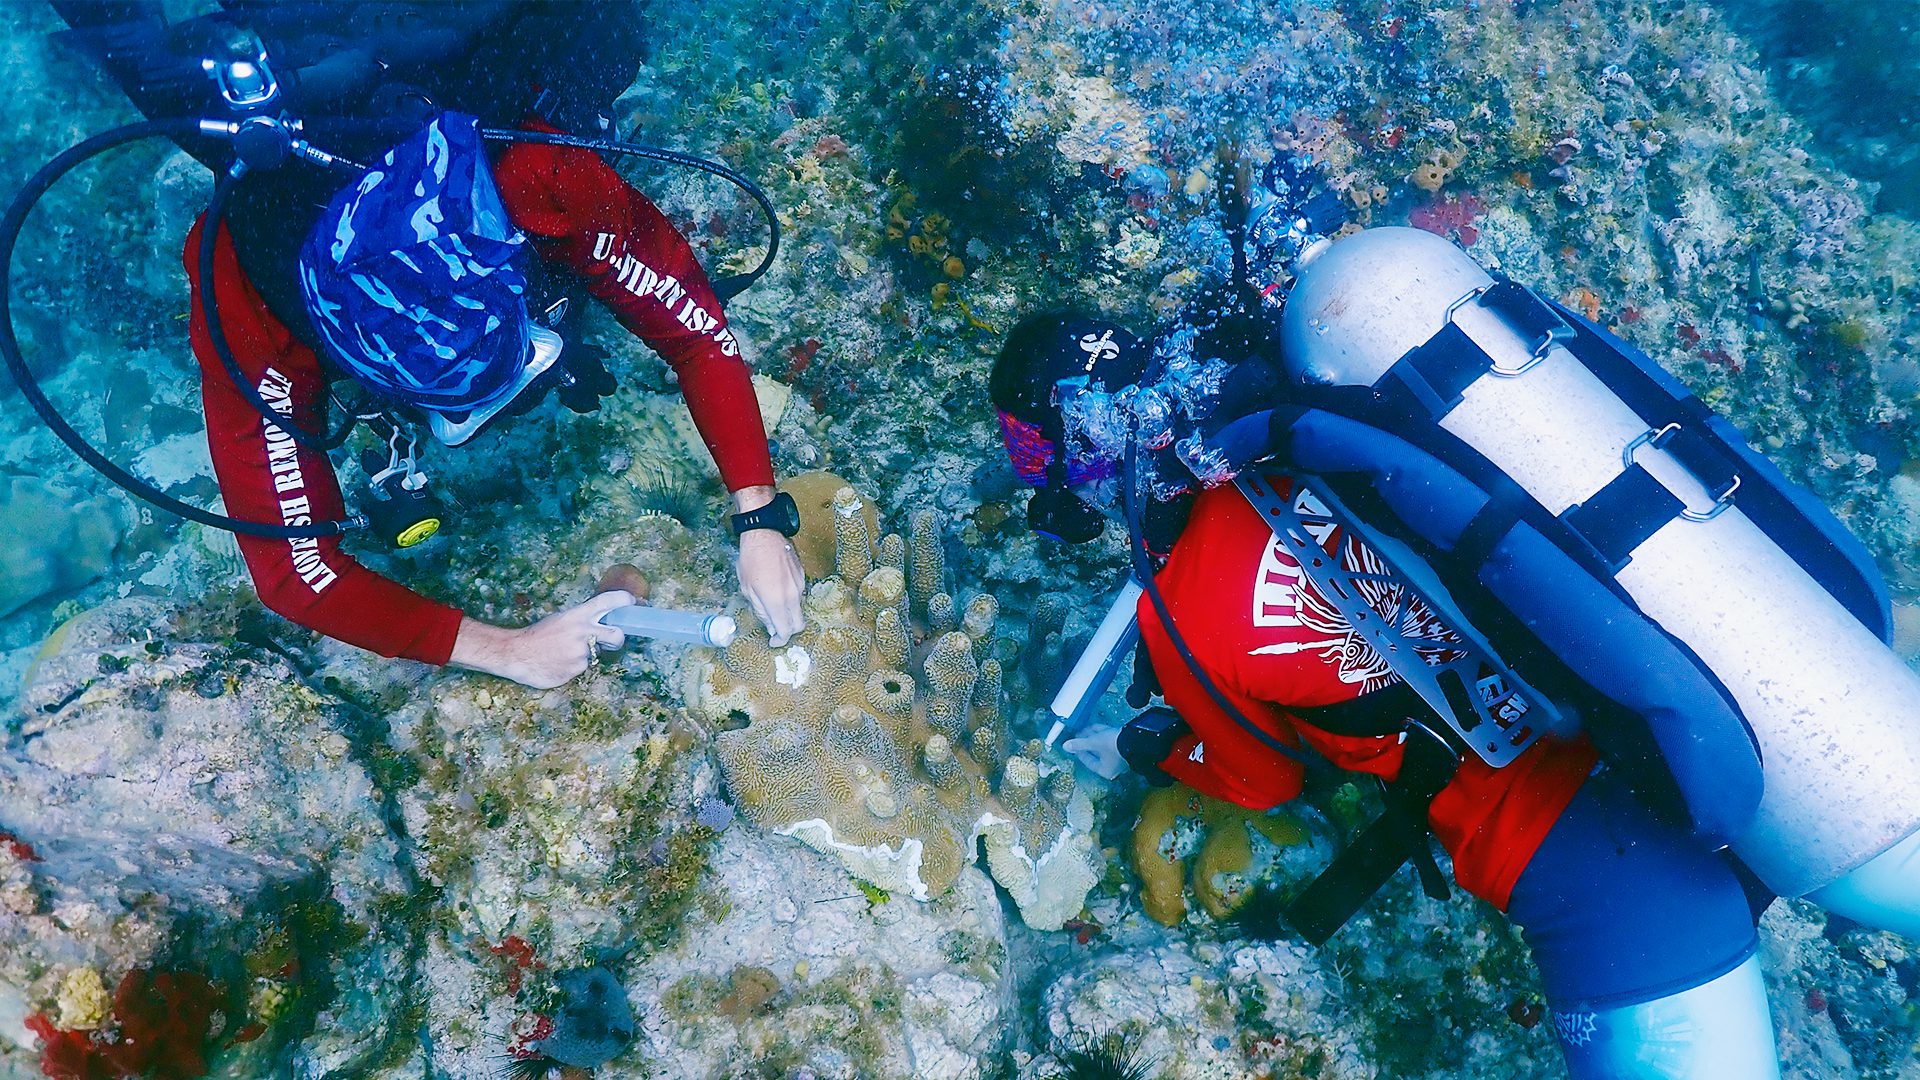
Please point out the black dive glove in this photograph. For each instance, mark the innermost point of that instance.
(1147, 740)
(578, 381)
(591, 380)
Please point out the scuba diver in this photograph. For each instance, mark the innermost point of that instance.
(437, 285)
(1366, 530)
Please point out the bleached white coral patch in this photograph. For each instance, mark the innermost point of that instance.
(1049, 888)
(897, 870)
(791, 667)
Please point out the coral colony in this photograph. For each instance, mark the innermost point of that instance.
(879, 735)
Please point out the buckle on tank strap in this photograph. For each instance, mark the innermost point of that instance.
(1659, 439)
(1438, 370)
(1533, 317)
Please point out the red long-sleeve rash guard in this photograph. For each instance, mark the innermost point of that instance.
(583, 217)
(1271, 644)
(266, 476)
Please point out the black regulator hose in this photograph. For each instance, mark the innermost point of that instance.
(210, 225)
(10, 227)
(1130, 503)
(725, 288)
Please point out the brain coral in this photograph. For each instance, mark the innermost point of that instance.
(1223, 841)
(881, 739)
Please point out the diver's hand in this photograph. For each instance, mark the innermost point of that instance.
(549, 652)
(769, 570)
(1097, 746)
(771, 580)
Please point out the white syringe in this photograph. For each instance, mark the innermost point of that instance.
(666, 624)
(1099, 663)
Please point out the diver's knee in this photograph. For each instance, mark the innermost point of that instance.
(1720, 1030)
(1883, 892)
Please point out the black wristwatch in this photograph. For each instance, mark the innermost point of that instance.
(781, 515)
(1147, 740)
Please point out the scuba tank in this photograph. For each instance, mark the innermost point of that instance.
(1560, 470)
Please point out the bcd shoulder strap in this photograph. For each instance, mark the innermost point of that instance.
(1430, 653)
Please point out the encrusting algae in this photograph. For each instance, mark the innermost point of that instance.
(83, 1001)
(878, 735)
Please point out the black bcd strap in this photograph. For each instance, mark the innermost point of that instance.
(1398, 836)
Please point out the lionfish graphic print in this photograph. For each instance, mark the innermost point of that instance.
(1282, 597)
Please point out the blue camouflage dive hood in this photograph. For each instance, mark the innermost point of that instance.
(409, 276)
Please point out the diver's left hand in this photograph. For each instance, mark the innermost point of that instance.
(770, 574)
(1097, 746)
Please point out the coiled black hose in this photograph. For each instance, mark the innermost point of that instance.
(11, 224)
(210, 225)
(726, 288)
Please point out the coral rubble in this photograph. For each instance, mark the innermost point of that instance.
(805, 973)
(193, 827)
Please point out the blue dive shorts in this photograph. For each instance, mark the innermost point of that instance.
(1621, 908)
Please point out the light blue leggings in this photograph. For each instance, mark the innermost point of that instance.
(1719, 1031)
(1722, 1030)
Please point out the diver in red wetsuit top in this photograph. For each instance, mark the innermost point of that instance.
(1278, 650)
(1637, 928)
(416, 281)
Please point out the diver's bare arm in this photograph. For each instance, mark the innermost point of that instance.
(546, 654)
(769, 569)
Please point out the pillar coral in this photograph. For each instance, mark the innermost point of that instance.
(875, 739)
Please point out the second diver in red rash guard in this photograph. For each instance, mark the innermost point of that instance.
(415, 282)
(1632, 923)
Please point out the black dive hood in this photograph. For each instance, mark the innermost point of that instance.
(260, 132)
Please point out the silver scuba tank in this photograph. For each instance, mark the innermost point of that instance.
(1836, 713)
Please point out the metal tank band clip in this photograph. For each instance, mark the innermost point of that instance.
(1522, 308)
(1658, 440)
